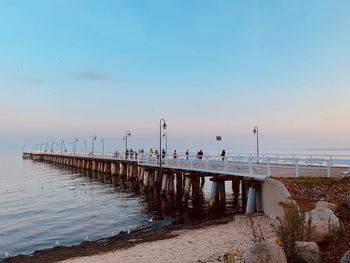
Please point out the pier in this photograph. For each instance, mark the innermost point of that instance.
(251, 178)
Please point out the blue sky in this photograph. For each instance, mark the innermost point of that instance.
(77, 68)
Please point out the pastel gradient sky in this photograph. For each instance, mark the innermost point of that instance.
(77, 68)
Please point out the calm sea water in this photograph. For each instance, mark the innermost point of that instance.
(41, 203)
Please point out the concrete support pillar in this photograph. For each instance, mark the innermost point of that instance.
(164, 183)
(127, 168)
(113, 168)
(121, 170)
(258, 199)
(171, 184)
(202, 181)
(109, 168)
(151, 181)
(146, 179)
(195, 187)
(235, 187)
(186, 189)
(135, 172)
(213, 194)
(244, 194)
(130, 171)
(179, 184)
(251, 201)
(221, 193)
(142, 170)
(157, 180)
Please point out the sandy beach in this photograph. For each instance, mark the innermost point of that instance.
(207, 244)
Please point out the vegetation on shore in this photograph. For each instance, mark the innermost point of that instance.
(307, 191)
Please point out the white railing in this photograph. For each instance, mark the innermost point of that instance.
(267, 164)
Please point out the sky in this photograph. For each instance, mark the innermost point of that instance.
(78, 68)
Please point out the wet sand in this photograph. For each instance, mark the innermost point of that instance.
(200, 241)
(206, 244)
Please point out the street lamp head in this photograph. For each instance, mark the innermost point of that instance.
(255, 130)
(129, 133)
(164, 134)
(164, 126)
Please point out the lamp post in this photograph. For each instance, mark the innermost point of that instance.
(85, 145)
(93, 141)
(62, 143)
(75, 145)
(160, 144)
(52, 145)
(165, 135)
(127, 134)
(256, 132)
(41, 146)
(103, 146)
(46, 146)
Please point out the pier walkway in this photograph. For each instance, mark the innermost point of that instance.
(184, 175)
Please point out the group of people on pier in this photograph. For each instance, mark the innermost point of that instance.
(154, 153)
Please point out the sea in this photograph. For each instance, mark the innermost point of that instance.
(43, 205)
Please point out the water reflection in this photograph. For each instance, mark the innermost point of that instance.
(162, 207)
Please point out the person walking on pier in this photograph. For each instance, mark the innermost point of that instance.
(151, 152)
(175, 154)
(187, 154)
(163, 154)
(223, 153)
(200, 154)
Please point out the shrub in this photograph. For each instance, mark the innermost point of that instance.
(292, 228)
(230, 257)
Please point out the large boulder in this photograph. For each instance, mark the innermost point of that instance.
(324, 222)
(264, 253)
(324, 204)
(346, 257)
(307, 252)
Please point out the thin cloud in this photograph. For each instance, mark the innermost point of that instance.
(28, 79)
(92, 75)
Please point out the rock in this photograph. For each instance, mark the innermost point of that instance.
(324, 222)
(346, 257)
(331, 206)
(307, 252)
(264, 253)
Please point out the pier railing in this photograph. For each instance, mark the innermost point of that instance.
(276, 165)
